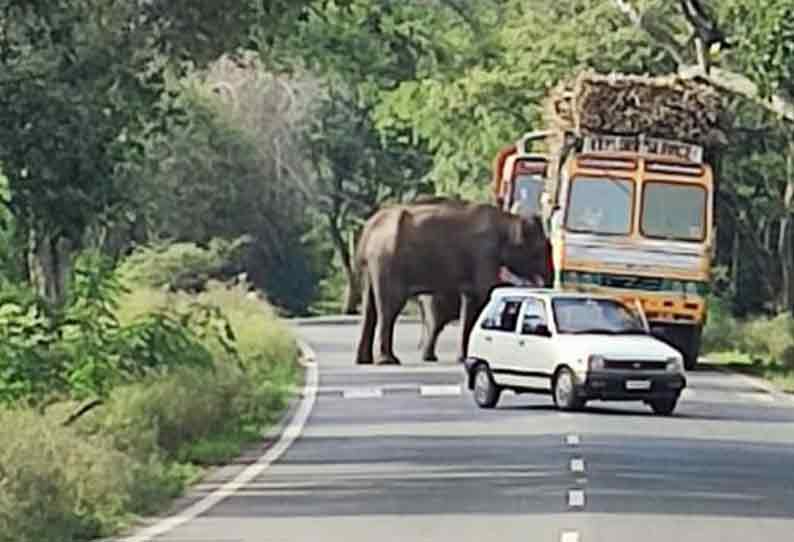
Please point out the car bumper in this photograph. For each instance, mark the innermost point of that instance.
(616, 386)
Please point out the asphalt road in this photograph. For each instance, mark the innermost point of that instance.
(403, 454)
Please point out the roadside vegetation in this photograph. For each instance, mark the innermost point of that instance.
(116, 404)
(761, 346)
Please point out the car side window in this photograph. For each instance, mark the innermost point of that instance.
(502, 316)
(534, 316)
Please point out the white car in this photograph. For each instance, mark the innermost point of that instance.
(578, 347)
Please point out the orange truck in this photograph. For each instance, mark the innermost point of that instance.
(633, 217)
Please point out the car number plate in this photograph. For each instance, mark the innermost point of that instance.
(638, 384)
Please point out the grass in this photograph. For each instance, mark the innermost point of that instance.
(743, 363)
(150, 439)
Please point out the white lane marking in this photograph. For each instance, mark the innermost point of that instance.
(362, 393)
(761, 397)
(576, 498)
(290, 434)
(439, 390)
(688, 393)
(570, 536)
(573, 440)
(577, 465)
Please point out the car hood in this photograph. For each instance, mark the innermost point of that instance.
(628, 347)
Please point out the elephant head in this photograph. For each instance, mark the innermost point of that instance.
(525, 248)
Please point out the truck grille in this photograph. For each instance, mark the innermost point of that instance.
(635, 365)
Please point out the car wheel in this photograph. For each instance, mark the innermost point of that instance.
(486, 392)
(564, 391)
(665, 406)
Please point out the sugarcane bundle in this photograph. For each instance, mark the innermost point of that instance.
(668, 107)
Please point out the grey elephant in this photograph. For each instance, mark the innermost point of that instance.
(439, 246)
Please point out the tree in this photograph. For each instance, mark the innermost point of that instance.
(356, 171)
(84, 88)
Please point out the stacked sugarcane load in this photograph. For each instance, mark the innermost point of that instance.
(668, 107)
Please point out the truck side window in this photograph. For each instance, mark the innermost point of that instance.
(534, 315)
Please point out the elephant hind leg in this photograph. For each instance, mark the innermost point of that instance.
(366, 340)
(389, 305)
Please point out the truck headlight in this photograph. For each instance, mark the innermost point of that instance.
(596, 362)
(674, 365)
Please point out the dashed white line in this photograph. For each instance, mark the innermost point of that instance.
(577, 465)
(573, 440)
(576, 498)
(362, 393)
(439, 390)
(570, 536)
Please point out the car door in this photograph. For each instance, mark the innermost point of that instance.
(533, 351)
(497, 333)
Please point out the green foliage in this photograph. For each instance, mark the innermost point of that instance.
(56, 485)
(125, 457)
(83, 350)
(762, 34)
(214, 184)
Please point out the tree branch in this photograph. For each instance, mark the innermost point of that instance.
(664, 39)
(738, 84)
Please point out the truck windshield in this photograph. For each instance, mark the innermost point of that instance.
(674, 211)
(600, 316)
(600, 205)
(526, 194)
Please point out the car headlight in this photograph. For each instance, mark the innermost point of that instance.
(674, 365)
(596, 362)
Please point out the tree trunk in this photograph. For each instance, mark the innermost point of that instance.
(352, 294)
(736, 255)
(784, 240)
(49, 265)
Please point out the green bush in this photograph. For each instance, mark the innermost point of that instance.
(83, 350)
(146, 440)
(721, 331)
(56, 485)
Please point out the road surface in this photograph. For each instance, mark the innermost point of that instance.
(403, 454)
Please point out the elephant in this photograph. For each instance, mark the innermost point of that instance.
(444, 246)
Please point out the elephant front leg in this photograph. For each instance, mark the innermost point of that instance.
(469, 309)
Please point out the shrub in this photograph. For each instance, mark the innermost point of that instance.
(243, 390)
(56, 485)
(721, 331)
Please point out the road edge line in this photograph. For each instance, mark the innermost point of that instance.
(287, 432)
(755, 381)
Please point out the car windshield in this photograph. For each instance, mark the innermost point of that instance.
(602, 316)
(674, 211)
(600, 205)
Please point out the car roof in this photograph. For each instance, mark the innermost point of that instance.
(523, 291)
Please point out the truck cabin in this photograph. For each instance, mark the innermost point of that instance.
(654, 191)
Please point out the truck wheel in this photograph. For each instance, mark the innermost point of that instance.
(486, 392)
(564, 391)
(665, 406)
(692, 352)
